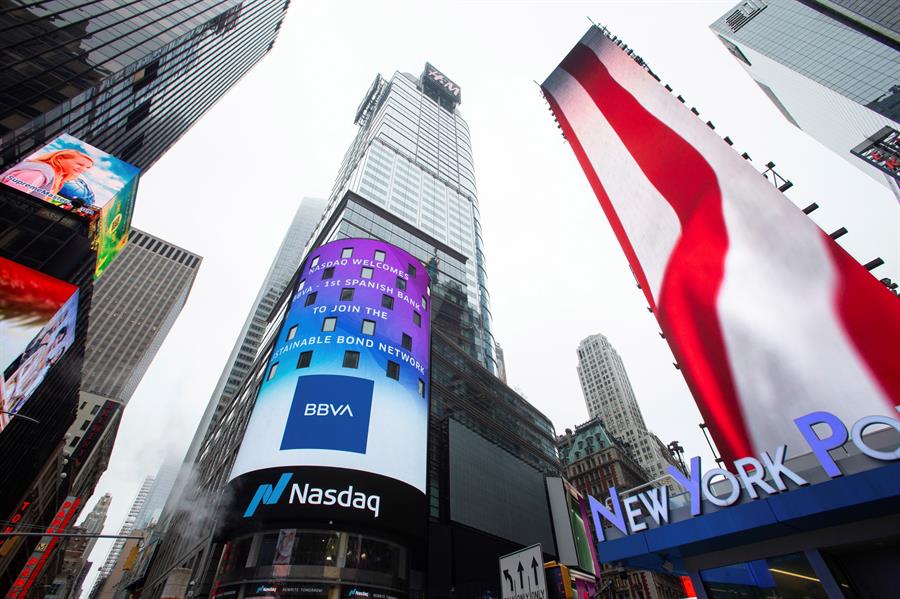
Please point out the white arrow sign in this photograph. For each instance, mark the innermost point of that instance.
(522, 574)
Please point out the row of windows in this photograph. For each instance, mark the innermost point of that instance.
(351, 360)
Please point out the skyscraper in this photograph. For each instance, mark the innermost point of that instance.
(608, 396)
(407, 179)
(287, 259)
(127, 527)
(67, 584)
(136, 302)
(127, 78)
(832, 67)
(412, 158)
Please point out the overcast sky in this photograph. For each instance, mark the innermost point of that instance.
(229, 189)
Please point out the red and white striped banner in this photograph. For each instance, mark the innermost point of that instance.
(768, 317)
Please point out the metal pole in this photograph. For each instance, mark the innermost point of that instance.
(69, 534)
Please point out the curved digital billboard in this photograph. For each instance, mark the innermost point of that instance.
(339, 429)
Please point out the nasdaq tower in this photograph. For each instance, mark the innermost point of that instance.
(407, 181)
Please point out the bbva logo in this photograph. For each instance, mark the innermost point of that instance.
(327, 409)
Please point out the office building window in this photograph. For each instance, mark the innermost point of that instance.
(368, 327)
(366, 272)
(351, 359)
(346, 252)
(328, 273)
(417, 319)
(85, 424)
(401, 283)
(95, 409)
(379, 255)
(421, 388)
(387, 302)
(292, 332)
(304, 360)
(346, 294)
(315, 262)
(411, 270)
(406, 342)
(393, 370)
(328, 324)
(311, 298)
(272, 371)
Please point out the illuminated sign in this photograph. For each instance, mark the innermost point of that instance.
(44, 548)
(11, 527)
(37, 327)
(338, 431)
(435, 80)
(87, 182)
(751, 477)
(882, 151)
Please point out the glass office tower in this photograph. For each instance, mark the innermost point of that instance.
(126, 77)
(406, 180)
(412, 157)
(833, 70)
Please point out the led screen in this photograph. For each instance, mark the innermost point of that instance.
(339, 427)
(768, 318)
(37, 326)
(81, 179)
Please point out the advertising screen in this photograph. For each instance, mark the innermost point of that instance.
(767, 316)
(340, 424)
(81, 179)
(37, 326)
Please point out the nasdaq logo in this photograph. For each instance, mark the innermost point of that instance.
(268, 494)
(329, 412)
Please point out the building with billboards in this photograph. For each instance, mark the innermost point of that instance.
(819, 521)
(481, 435)
(805, 500)
(142, 75)
(832, 68)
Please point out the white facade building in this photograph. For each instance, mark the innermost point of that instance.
(609, 397)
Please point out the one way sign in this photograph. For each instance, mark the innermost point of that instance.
(522, 574)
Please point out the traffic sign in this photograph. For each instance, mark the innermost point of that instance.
(522, 574)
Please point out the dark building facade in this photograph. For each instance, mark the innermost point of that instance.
(407, 181)
(128, 78)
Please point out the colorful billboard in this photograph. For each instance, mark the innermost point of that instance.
(768, 318)
(37, 326)
(81, 179)
(339, 428)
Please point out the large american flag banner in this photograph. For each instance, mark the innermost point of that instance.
(767, 316)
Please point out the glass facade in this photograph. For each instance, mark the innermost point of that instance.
(783, 577)
(129, 78)
(831, 67)
(412, 157)
(821, 48)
